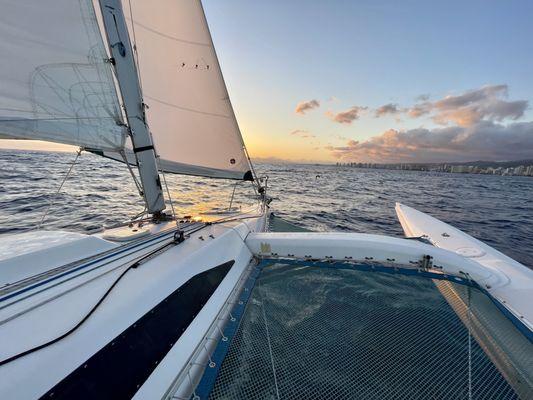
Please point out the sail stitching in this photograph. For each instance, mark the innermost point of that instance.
(187, 109)
(169, 36)
(55, 119)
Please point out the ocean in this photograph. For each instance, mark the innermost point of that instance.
(495, 209)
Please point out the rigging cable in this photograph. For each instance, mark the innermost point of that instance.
(144, 106)
(177, 239)
(469, 319)
(255, 182)
(168, 194)
(139, 188)
(78, 153)
(136, 55)
(233, 195)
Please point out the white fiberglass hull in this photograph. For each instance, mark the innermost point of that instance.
(183, 295)
(512, 285)
(41, 300)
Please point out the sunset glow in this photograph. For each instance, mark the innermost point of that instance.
(375, 81)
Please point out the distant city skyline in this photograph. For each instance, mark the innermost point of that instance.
(376, 81)
(520, 168)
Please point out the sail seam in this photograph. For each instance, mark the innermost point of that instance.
(186, 109)
(55, 119)
(169, 36)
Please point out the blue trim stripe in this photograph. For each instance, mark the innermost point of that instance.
(211, 372)
(375, 268)
(516, 322)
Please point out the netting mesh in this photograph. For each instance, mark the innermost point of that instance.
(312, 332)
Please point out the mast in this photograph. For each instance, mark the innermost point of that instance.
(183, 83)
(128, 81)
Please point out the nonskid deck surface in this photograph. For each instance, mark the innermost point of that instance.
(314, 332)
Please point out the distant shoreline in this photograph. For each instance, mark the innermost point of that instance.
(506, 168)
(503, 168)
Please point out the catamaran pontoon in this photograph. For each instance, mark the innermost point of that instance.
(162, 308)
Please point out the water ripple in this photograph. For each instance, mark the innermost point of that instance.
(497, 210)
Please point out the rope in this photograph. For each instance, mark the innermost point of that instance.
(135, 47)
(168, 194)
(139, 215)
(139, 188)
(139, 78)
(469, 328)
(255, 182)
(269, 344)
(74, 328)
(60, 187)
(469, 316)
(133, 265)
(232, 195)
(170, 200)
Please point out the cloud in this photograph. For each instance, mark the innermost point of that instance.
(339, 137)
(387, 109)
(277, 160)
(484, 140)
(304, 106)
(423, 97)
(301, 133)
(485, 104)
(346, 117)
(419, 109)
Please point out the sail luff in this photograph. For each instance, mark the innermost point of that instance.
(128, 81)
(249, 175)
(189, 112)
(224, 86)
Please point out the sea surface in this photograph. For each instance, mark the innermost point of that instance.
(497, 210)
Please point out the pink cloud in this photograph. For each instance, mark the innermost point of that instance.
(485, 140)
(485, 104)
(304, 106)
(301, 133)
(387, 109)
(346, 117)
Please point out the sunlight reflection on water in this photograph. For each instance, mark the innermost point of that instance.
(497, 210)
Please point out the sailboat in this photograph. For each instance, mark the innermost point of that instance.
(163, 307)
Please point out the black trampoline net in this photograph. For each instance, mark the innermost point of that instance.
(313, 332)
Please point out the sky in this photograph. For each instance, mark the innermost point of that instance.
(377, 81)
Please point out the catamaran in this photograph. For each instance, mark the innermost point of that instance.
(243, 306)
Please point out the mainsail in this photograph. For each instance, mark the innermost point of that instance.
(56, 83)
(188, 109)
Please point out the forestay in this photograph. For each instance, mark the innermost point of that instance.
(188, 108)
(56, 82)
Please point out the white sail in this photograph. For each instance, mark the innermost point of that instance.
(56, 83)
(188, 110)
